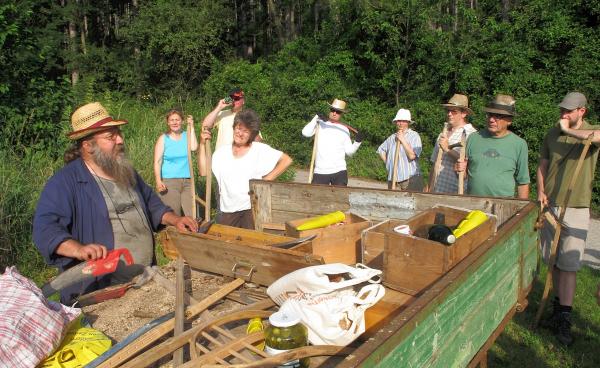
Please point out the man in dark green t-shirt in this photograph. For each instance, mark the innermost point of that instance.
(496, 158)
(558, 158)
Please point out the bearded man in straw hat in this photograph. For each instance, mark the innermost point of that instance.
(98, 202)
(333, 145)
(496, 158)
(448, 142)
(559, 157)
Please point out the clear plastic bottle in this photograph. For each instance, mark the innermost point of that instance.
(285, 332)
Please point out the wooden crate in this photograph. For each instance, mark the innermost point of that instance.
(336, 243)
(412, 263)
(235, 252)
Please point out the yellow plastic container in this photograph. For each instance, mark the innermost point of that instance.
(322, 221)
(470, 222)
(256, 325)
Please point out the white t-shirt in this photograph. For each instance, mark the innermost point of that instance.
(333, 146)
(234, 174)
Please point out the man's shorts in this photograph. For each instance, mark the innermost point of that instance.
(571, 244)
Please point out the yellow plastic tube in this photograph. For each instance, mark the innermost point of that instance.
(322, 221)
(471, 221)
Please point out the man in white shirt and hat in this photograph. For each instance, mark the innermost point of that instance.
(333, 145)
(408, 142)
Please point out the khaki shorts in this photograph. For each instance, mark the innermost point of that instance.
(573, 235)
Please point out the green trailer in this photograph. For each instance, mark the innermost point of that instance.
(454, 321)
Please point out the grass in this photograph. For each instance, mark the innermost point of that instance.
(522, 346)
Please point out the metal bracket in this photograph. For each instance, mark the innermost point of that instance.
(242, 264)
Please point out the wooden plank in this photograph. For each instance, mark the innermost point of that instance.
(253, 262)
(308, 200)
(179, 309)
(159, 331)
(260, 198)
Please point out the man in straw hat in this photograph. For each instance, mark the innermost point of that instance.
(559, 157)
(98, 202)
(332, 145)
(447, 149)
(407, 172)
(496, 158)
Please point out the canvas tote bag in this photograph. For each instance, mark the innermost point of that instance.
(330, 299)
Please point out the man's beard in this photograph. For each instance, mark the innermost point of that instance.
(118, 166)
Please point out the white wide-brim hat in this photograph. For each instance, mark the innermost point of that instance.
(403, 114)
(338, 105)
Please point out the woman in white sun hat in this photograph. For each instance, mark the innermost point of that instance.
(408, 174)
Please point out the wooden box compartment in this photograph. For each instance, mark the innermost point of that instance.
(335, 243)
(412, 263)
(235, 252)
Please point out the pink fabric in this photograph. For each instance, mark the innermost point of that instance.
(31, 327)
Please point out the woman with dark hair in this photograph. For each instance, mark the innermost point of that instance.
(171, 165)
(236, 163)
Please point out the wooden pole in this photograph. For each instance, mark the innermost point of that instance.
(314, 151)
(461, 175)
(179, 309)
(557, 229)
(395, 168)
(438, 162)
(190, 122)
(208, 193)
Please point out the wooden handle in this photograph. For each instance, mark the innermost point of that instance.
(395, 168)
(438, 163)
(461, 175)
(208, 193)
(192, 178)
(314, 154)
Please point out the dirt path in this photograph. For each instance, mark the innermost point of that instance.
(591, 256)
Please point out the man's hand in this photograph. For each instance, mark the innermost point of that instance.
(543, 198)
(321, 116)
(204, 135)
(186, 223)
(443, 143)
(400, 135)
(190, 120)
(223, 104)
(359, 137)
(90, 252)
(460, 165)
(160, 186)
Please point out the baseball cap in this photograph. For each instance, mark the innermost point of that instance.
(573, 100)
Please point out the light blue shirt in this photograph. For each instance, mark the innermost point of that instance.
(175, 158)
(406, 168)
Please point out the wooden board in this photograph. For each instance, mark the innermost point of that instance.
(240, 253)
(277, 202)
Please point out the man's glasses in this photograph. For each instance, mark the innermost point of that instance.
(336, 111)
(237, 98)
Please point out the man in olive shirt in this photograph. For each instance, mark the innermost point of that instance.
(559, 155)
(496, 158)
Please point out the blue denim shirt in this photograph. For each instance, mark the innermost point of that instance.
(71, 206)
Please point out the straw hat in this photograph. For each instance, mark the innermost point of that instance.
(338, 105)
(459, 101)
(403, 114)
(502, 105)
(89, 119)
